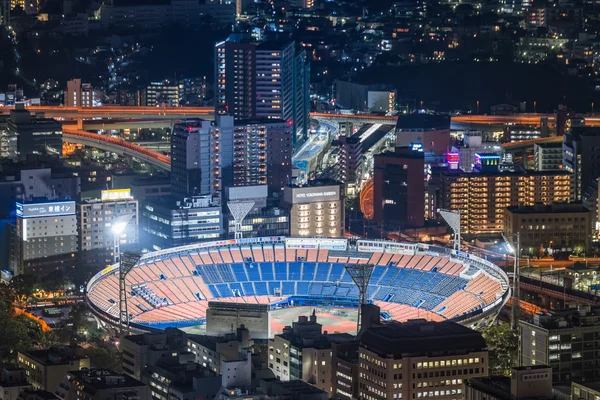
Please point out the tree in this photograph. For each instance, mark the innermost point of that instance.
(23, 286)
(109, 358)
(54, 281)
(502, 344)
(15, 335)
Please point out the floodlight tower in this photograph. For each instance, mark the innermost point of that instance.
(117, 228)
(361, 275)
(239, 210)
(516, 304)
(453, 220)
(127, 262)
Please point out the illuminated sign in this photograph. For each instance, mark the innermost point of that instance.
(316, 194)
(326, 244)
(115, 194)
(416, 147)
(45, 209)
(452, 158)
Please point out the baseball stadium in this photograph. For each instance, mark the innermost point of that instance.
(173, 287)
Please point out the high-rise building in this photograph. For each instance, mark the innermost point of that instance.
(266, 80)
(581, 156)
(349, 158)
(547, 156)
(200, 150)
(399, 195)
(161, 93)
(43, 238)
(81, 95)
(421, 358)
(33, 135)
(564, 340)
(95, 218)
(482, 197)
(315, 210)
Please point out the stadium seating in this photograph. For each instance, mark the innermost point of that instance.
(178, 286)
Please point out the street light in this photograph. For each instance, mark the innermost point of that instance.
(117, 229)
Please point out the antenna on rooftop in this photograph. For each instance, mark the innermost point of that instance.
(239, 210)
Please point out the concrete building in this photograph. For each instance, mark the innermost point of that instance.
(303, 352)
(142, 187)
(563, 340)
(43, 238)
(519, 133)
(30, 394)
(100, 384)
(45, 369)
(547, 156)
(345, 373)
(316, 210)
(581, 157)
(431, 131)
(34, 135)
(399, 187)
(262, 154)
(349, 158)
(201, 153)
(181, 379)
(14, 380)
(558, 226)
(209, 351)
(363, 97)
(473, 144)
(399, 360)
(94, 220)
(147, 349)
(534, 382)
(482, 197)
(268, 80)
(160, 93)
(81, 95)
(167, 221)
(585, 390)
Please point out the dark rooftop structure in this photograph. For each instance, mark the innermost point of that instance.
(422, 122)
(550, 208)
(56, 355)
(104, 379)
(420, 336)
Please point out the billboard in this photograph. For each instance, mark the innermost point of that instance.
(314, 243)
(45, 209)
(115, 194)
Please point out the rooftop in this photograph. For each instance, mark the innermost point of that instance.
(104, 379)
(551, 208)
(422, 122)
(421, 337)
(56, 355)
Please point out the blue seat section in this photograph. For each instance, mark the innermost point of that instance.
(266, 270)
(336, 272)
(294, 268)
(261, 288)
(308, 272)
(322, 272)
(416, 288)
(252, 270)
(239, 272)
(248, 288)
(281, 271)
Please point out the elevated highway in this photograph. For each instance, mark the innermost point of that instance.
(117, 145)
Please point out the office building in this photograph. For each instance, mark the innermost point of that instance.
(560, 226)
(581, 157)
(101, 384)
(365, 97)
(43, 238)
(81, 95)
(525, 383)
(95, 218)
(303, 352)
(45, 369)
(14, 380)
(431, 131)
(142, 187)
(399, 187)
(160, 94)
(585, 390)
(427, 359)
(519, 133)
(267, 80)
(23, 183)
(563, 340)
(547, 156)
(482, 197)
(472, 144)
(168, 221)
(345, 373)
(315, 210)
(262, 220)
(201, 151)
(30, 394)
(262, 154)
(33, 135)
